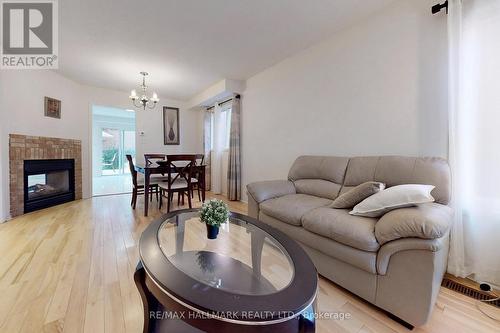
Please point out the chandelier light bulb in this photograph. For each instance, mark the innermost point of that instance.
(144, 101)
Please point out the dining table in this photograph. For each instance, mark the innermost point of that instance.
(148, 169)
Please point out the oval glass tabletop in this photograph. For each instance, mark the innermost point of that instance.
(244, 259)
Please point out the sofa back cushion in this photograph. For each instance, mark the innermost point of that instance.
(321, 176)
(318, 187)
(398, 170)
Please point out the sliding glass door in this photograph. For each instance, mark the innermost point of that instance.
(116, 144)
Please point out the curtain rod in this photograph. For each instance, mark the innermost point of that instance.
(224, 102)
(437, 7)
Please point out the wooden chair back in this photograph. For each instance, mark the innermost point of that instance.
(200, 158)
(180, 170)
(149, 157)
(133, 173)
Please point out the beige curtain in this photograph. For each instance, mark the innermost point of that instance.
(207, 147)
(234, 163)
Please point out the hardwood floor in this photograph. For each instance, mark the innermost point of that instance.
(69, 269)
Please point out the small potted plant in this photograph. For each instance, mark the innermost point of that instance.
(213, 213)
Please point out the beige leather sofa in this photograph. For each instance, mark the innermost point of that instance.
(396, 261)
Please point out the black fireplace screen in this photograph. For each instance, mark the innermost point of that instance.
(48, 183)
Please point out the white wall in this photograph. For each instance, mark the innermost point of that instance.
(378, 87)
(151, 122)
(22, 108)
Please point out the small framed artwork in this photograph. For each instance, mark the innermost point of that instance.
(171, 134)
(52, 108)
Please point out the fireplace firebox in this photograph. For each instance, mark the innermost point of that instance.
(48, 183)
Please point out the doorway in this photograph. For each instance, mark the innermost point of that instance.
(113, 137)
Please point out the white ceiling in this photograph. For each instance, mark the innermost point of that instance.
(187, 45)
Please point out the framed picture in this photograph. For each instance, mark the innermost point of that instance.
(171, 134)
(52, 108)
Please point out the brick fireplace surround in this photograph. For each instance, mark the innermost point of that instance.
(22, 147)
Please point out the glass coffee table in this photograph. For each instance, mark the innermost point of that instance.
(252, 278)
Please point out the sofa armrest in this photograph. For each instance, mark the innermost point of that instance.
(262, 191)
(386, 251)
(426, 221)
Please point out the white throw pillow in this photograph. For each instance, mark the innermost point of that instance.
(392, 198)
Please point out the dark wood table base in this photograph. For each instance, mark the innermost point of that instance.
(164, 314)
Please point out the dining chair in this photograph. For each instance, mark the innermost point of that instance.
(152, 158)
(195, 180)
(178, 179)
(138, 183)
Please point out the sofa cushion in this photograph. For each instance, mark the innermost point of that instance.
(290, 208)
(331, 168)
(337, 224)
(357, 194)
(393, 198)
(360, 170)
(361, 259)
(427, 221)
(397, 170)
(318, 187)
(265, 190)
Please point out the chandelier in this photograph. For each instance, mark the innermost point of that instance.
(144, 101)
